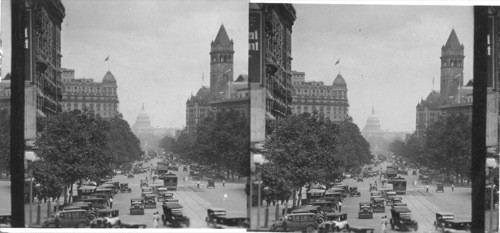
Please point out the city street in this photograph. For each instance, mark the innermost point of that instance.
(422, 204)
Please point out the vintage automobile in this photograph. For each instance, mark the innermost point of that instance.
(440, 187)
(227, 222)
(106, 218)
(373, 187)
(401, 218)
(326, 206)
(296, 222)
(143, 194)
(344, 187)
(359, 179)
(165, 197)
(365, 210)
(353, 191)
(378, 204)
(392, 200)
(124, 188)
(315, 209)
(108, 191)
(149, 200)
(442, 217)
(212, 213)
(161, 194)
(388, 195)
(92, 212)
(137, 206)
(314, 194)
(399, 205)
(144, 183)
(334, 223)
(375, 193)
(5, 220)
(456, 226)
(97, 202)
(414, 172)
(68, 218)
(172, 214)
(211, 183)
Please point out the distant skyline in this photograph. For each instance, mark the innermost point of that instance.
(158, 50)
(389, 55)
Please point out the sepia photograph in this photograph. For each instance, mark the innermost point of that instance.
(366, 118)
(135, 113)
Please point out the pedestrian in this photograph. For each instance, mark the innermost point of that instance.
(384, 224)
(198, 184)
(111, 203)
(223, 183)
(154, 179)
(225, 197)
(340, 206)
(156, 219)
(427, 188)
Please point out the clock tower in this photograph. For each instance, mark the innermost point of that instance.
(452, 68)
(221, 64)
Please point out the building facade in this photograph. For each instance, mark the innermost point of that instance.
(99, 97)
(224, 92)
(453, 96)
(329, 100)
(221, 64)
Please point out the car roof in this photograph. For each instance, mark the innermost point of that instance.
(216, 209)
(444, 213)
(75, 210)
(172, 205)
(401, 210)
(365, 203)
(316, 191)
(87, 187)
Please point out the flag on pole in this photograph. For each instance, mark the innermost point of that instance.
(336, 63)
(107, 58)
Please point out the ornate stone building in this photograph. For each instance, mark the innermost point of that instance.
(100, 97)
(330, 100)
(224, 92)
(453, 96)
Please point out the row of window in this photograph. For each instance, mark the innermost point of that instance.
(334, 108)
(91, 105)
(340, 94)
(90, 89)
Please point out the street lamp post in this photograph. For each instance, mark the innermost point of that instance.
(258, 160)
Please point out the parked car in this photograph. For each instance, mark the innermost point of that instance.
(307, 222)
(68, 218)
(456, 226)
(378, 204)
(334, 223)
(124, 188)
(212, 213)
(226, 222)
(353, 191)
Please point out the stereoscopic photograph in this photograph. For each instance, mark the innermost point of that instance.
(277, 117)
(136, 113)
(366, 124)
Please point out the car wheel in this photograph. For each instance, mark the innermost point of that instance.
(91, 216)
(415, 227)
(310, 229)
(279, 229)
(347, 227)
(82, 225)
(320, 220)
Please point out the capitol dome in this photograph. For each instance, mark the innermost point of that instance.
(339, 81)
(372, 124)
(142, 120)
(109, 78)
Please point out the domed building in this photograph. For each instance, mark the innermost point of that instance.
(147, 134)
(99, 97)
(372, 127)
(330, 100)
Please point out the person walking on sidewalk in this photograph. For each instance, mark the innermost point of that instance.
(383, 224)
(223, 183)
(111, 203)
(427, 188)
(452, 187)
(156, 219)
(340, 206)
(198, 184)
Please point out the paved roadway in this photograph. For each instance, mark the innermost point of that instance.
(423, 205)
(195, 200)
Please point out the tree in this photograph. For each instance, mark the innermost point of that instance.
(75, 145)
(124, 145)
(4, 142)
(352, 146)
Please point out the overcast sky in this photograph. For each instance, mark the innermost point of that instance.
(157, 50)
(388, 54)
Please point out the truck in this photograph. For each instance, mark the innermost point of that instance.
(170, 181)
(399, 186)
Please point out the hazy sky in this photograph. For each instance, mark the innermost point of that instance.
(388, 54)
(157, 50)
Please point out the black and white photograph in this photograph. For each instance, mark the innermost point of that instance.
(136, 113)
(366, 119)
